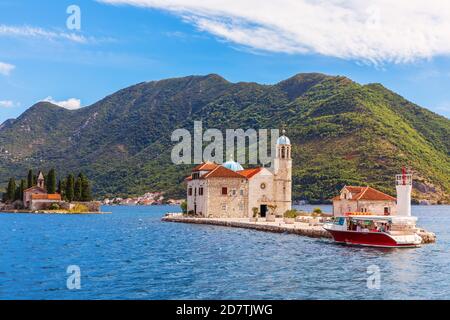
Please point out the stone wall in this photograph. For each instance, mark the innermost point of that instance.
(232, 205)
(340, 207)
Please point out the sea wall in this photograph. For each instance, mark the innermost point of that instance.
(278, 226)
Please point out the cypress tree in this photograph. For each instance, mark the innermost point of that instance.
(21, 189)
(86, 193)
(70, 189)
(63, 188)
(11, 191)
(30, 179)
(51, 182)
(78, 189)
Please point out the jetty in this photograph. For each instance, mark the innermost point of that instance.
(312, 230)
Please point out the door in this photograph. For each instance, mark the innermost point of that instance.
(263, 210)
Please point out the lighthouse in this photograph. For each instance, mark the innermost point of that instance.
(404, 186)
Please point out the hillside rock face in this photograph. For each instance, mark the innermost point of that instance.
(343, 133)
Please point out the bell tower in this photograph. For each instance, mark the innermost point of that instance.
(41, 180)
(283, 174)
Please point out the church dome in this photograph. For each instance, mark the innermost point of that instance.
(232, 165)
(283, 139)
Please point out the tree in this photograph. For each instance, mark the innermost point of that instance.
(63, 188)
(86, 192)
(20, 190)
(183, 207)
(78, 189)
(30, 179)
(11, 191)
(51, 182)
(70, 189)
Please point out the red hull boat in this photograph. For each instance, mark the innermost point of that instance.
(380, 233)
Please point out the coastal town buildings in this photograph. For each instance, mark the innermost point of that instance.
(37, 198)
(229, 190)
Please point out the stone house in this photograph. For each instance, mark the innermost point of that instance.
(364, 200)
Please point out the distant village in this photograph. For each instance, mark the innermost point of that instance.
(148, 199)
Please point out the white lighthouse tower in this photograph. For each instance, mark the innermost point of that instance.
(404, 188)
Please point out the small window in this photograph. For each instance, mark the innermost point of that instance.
(224, 191)
(233, 192)
(224, 206)
(241, 192)
(200, 191)
(190, 191)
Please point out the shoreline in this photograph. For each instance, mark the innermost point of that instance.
(50, 212)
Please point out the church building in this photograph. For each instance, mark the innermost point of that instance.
(230, 191)
(37, 198)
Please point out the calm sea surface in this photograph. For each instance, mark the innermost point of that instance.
(131, 254)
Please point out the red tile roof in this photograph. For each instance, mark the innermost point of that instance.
(222, 172)
(373, 194)
(205, 166)
(366, 193)
(248, 173)
(56, 197)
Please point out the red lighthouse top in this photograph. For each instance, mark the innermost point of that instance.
(403, 175)
(405, 178)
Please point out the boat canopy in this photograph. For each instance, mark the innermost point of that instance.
(393, 219)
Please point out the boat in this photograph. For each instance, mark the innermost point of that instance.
(375, 231)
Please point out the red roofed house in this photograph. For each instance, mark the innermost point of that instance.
(229, 191)
(363, 199)
(37, 198)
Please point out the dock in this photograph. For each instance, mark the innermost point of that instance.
(314, 230)
(299, 228)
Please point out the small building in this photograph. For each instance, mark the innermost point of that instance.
(364, 200)
(37, 198)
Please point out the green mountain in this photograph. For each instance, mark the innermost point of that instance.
(342, 133)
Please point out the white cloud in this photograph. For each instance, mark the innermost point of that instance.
(6, 68)
(7, 103)
(70, 104)
(398, 31)
(35, 32)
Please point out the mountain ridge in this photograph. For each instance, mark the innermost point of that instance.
(342, 132)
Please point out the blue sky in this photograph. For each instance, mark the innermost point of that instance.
(123, 42)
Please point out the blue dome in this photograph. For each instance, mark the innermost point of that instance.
(232, 165)
(283, 140)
